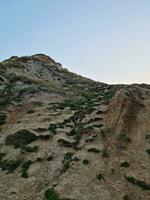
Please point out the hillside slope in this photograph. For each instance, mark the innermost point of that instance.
(66, 137)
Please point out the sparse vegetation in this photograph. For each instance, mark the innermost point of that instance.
(44, 137)
(20, 138)
(124, 164)
(2, 155)
(52, 128)
(100, 177)
(85, 161)
(94, 150)
(66, 161)
(50, 194)
(37, 103)
(24, 168)
(139, 183)
(148, 151)
(30, 111)
(66, 143)
(30, 149)
(125, 197)
(40, 129)
(10, 165)
(3, 117)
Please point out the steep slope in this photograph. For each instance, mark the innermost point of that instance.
(63, 136)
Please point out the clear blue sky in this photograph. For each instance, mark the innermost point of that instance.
(107, 40)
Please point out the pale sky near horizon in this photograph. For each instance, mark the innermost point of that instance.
(106, 40)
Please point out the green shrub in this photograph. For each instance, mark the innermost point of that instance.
(44, 137)
(125, 197)
(3, 117)
(94, 150)
(100, 177)
(66, 161)
(10, 165)
(52, 128)
(85, 161)
(20, 138)
(40, 129)
(24, 168)
(124, 164)
(31, 111)
(99, 112)
(98, 125)
(30, 149)
(37, 103)
(66, 143)
(147, 137)
(2, 155)
(148, 151)
(95, 119)
(50, 194)
(139, 183)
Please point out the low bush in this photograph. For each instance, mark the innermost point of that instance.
(30, 149)
(94, 150)
(30, 111)
(139, 183)
(124, 164)
(85, 161)
(66, 143)
(3, 117)
(50, 194)
(52, 128)
(125, 197)
(100, 177)
(40, 129)
(66, 161)
(10, 165)
(20, 138)
(148, 151)
(2, 155)
(24, 168)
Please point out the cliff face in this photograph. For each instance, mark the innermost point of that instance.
(63, 136)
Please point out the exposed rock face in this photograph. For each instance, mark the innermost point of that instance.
(66, 137)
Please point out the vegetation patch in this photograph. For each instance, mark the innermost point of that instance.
(98, 125)
(51, 194)
(147, 137)
(30, 149)
(30, 111)
(66, 143)
(123, 140)
(85, 161)
(44, 137)
(139, 183)
(37, 103)
(21, 138)
(39, 130)
(95, 119)
(148, 151)
(3, 117)
(10, 165)
(2, 155)
(94, 150)
(100, 177)
(125, 197)
(52, 128)
(124, 164)
(66, 161)
(24, 168)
